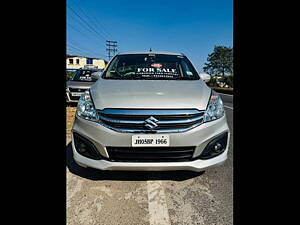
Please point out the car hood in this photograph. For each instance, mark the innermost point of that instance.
(79, 84)
(150, 94)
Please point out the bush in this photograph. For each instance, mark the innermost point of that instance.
(223, 90)
(229, 80)
(69, 75)
(212, 82)
(216, 82)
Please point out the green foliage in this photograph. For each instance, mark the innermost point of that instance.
(223, 90)
(229, 80)
(215, 82)
(212, 82)
(69, 75)
(220, 62)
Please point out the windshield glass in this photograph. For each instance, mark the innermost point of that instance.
(151, 66)
(84, 75)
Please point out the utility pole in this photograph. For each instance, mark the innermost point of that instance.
(111, 47)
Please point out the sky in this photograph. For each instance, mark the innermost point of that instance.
(191, 27)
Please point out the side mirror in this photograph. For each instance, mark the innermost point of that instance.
(205, 77)
(96, 75)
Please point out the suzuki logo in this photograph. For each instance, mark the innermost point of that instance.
(151, 123)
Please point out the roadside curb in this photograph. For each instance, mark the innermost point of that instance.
(225, 94)
(228, 92)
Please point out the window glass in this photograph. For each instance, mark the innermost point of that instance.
(89, 61)
(84, 75)
(186, 69)
(151, 66)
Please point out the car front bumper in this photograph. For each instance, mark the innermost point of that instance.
(69, 98)
(101, 137)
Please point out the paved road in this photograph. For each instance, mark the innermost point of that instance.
(177, 198)
(227, 100)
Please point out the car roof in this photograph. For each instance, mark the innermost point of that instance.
(150, 52)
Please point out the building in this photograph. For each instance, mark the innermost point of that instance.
(76, 62)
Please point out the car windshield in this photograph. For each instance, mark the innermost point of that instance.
(151, 66)
(84, 75)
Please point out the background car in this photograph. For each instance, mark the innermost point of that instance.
(80, 82)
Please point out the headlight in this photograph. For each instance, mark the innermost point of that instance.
(215, 109)
(86, 109)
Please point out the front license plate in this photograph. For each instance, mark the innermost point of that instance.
(77, 94)
(150, 140)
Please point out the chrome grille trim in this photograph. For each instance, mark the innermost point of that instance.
(153, 112)
(132, 120)
(78, 89)
(142, 122)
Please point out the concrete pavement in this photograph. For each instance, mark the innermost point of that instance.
(178, 197)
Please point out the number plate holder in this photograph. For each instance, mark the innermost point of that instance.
(150, 140)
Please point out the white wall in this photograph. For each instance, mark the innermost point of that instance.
(82, 62)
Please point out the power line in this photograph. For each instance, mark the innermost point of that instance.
(100, 24)
(83, 25)
(104, 30)
(90, 36)
(96, 32)
(85, 50)
(82, 51)
(77, 52)
(92, 20)
(85, 35)
(82, 34)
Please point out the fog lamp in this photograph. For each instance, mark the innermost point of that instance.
(82, 148)
(218, 147)
(85, 148)
(215, 147)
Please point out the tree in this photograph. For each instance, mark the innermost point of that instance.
(69, 75)
(220, 62)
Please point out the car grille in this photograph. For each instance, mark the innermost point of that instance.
(150, 154)
(74, 98)
(151, 121)
(78, 89)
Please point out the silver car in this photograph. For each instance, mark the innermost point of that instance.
(80, 82)
(150, 111)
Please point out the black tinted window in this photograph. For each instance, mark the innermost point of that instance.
(84, 75)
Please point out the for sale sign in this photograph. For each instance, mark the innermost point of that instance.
(157, 70)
